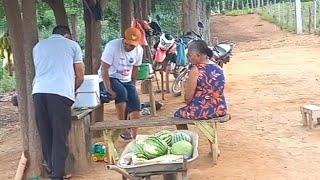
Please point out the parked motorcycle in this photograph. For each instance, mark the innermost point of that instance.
(165, 52)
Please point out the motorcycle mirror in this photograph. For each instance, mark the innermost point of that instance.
(200, 25)
(158, 17)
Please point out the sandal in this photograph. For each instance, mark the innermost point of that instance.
(127, 135)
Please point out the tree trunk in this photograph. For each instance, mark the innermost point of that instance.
(189, 16)
(126, 9)
(145, 9)
(30, 30)
(73, 20)
(93, 38)
(195, 11)
(137, 6)
(23, 36)
(59, 11)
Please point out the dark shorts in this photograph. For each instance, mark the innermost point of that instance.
(126, 92)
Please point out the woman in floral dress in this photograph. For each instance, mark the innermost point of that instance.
(204, 87)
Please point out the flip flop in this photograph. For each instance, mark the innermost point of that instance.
(126, 135)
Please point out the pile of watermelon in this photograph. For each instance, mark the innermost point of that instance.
(163, 143)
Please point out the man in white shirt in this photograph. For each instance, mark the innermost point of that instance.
(120, 63)
(59, 71)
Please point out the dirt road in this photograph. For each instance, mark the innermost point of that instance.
(271, 74)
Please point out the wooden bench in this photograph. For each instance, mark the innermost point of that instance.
(79, 157)
(112, 129)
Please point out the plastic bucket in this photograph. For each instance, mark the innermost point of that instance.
(144, 71)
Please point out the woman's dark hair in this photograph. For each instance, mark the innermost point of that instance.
(201, 47)
(62, 30)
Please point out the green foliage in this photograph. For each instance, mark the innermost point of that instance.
(3, 22)
(111, 24)
(170, 14)
(7, 83)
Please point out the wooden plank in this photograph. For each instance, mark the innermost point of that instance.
(148, 122)
(78, 114)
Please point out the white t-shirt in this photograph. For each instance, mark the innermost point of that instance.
(120, 61)
(53, 60)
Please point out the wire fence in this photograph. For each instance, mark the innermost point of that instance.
(281, 13)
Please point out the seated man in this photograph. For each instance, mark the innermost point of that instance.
(120, 63)
(204, 87)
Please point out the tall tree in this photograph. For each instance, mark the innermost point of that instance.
(59, 11)
(23, 32)
(126, 13)
(189, 16)
(92, 9)
(194, 11)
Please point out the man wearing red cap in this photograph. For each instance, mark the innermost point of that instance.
(120, 63)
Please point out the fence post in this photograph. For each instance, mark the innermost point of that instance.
(223, 6)
(298, 17)
(288, 14)
(232, 5)
(310, 19)
(315, 15)
(279, 15)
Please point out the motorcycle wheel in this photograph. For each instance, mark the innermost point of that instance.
(177, 83)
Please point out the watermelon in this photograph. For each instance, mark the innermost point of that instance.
(139, 152)
(179, 136)
(166, 136)
(182, 148)
(151, 148)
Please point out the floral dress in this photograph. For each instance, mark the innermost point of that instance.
(208, 101)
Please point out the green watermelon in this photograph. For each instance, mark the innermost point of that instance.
(151, 148)
(182, 148)
(179, 136)
(139, 152)
(166, 136)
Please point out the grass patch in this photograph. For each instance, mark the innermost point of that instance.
(239, 12)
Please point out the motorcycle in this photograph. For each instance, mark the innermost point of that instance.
(165, 52)
(221, 55)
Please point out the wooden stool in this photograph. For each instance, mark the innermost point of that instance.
(309, 113)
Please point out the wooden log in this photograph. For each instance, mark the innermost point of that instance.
(148, 122)
(79, 157)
